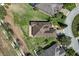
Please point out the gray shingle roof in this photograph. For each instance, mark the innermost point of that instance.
(50, 8)
(54, 50)
(42, 29)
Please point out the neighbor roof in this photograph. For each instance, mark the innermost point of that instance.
(49, 8)
(41, 29)
(54, 50)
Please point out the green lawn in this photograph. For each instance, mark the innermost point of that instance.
(42, 41)
(69, 6)
(75, 26)
(30, 14)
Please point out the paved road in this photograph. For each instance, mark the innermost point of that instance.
(68, 30)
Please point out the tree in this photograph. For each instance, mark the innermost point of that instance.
(35, 8)
(69, 6)
(49, 19)
(58, 17)
(77, 27)
(28, 54)
(70, 52)
(64, 40)
(2, 12)
(76, 54)
(46, 40)
(62, 24)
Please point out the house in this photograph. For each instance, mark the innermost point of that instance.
(41, 29)
(54, 50)
(33, 4)
(48, 8)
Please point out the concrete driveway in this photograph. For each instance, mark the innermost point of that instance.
(68, 30)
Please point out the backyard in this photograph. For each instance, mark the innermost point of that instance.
(23, 19)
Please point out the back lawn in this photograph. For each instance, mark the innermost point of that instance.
(23, 22)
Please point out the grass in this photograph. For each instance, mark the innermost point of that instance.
(30, 14)
(59, 17)
(75, 26)
(69, 6)
(42, 41)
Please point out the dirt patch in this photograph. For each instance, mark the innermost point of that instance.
(16, 29)
(5, 47)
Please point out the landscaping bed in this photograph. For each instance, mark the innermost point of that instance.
(75, 26)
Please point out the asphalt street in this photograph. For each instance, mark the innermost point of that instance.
(68, 30)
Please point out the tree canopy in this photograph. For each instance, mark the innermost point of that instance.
(2, 12)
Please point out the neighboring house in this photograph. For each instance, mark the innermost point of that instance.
(48, 8)
(54, 50)
(33, 4)
(41, 29)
